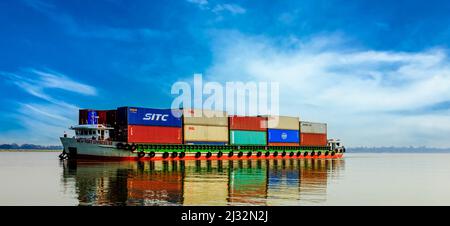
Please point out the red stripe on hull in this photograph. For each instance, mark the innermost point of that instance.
(224, 157)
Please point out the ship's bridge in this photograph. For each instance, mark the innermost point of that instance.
(92, 131)
(335, 145)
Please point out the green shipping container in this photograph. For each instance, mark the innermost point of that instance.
(244, 137)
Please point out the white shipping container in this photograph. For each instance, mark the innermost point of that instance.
(283, 122)
(206, 133)
(205, 117)
(313, 127)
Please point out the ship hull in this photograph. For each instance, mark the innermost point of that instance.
(92, 150)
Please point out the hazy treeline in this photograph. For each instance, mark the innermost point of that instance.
(398, 149)
(30, 146)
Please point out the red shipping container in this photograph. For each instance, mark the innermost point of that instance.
(248, 123)
(111, 119)
(283, 144)
(154, 134)
(82, 116)
(101, 117)
(313, 139)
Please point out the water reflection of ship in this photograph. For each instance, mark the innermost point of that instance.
(242, 182)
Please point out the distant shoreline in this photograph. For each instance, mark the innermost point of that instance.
(29, 150)
(395, 150)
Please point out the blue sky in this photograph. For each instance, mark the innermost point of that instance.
(377, 71)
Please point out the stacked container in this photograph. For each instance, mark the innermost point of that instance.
(88, 116)
(92, 116)
(148, 125)
(247, 130)
(283, 131)
(313, 134)
(205, 127)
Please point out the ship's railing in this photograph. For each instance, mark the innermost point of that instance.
(91, 141)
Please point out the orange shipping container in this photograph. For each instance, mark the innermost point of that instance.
(154, 134)
(252, 123)
(313, 139)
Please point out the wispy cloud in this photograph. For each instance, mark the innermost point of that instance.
(26, 79)
(69, 24)
(232, 8)
(44, 119)
(219, 8)
(39, 5)
(56, 80)
(359, 92)
(200, 3)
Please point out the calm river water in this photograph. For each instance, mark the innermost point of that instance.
(358, 179)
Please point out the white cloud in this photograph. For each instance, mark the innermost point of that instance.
(26, 79)
(232, 8)
(60, 81)
(46, 119)
(72, 27)
(359, 92)
(199, 2)
(218, 8)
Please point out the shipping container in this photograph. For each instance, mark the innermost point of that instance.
(151, 134)
(283, 122)
(87, 116)
(111, 119)
(313, 139)
(91, 116)
(205, 133)
(205, 117)
(101, 117)
(283, 144)
(248, 123)
(149, 117)
(313, 127)
(283, 136)
(243, 137)
(205, 143)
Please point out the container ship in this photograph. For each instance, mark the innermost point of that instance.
(137, 133)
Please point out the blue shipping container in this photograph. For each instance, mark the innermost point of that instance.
(283, 136)
(153, 117)
(92, 117)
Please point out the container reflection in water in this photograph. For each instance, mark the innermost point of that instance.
(205, 185)
(284, 180)
(313, 186)
(248, 183)
(238, 182)
(156, 185)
